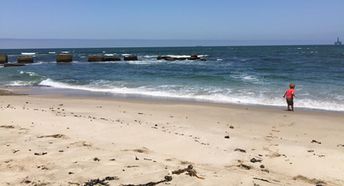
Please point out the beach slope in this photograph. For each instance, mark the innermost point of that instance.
(55, 140)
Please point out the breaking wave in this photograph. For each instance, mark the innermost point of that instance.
(195, 94)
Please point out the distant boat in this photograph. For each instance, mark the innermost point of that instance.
(338, 42)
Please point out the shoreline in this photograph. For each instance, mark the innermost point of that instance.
(56, 92)
(58, 139)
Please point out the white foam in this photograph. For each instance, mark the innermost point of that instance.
(28, 53)
(79, 63)
(28, 73)
(143, 62)
(20, 83)
(178, 56)
(37, 63)
(150, 56)
(184, 56)
(246, 77)
(208, 95)
(109, 55)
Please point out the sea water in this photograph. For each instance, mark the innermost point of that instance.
(243, 75)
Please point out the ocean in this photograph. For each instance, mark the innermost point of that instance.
(256, 75)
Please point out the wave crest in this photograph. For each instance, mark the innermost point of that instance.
(205, 95)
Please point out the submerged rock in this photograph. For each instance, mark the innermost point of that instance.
(3, 58)
(13, 65)
(95, 58)
(181, 57)
(25, 59)
(130, 57)
(64, 58)
(111, 57)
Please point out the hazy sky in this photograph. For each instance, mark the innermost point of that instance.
(269, 21)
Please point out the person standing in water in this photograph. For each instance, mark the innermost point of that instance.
(289, 95)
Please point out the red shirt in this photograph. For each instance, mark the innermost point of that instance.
(289, 94)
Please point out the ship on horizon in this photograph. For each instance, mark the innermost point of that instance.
(338, 42)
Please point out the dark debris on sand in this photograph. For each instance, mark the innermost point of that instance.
(98, 181)
(315, 141)
(262, 179)
(166, 179)
(317, 182)
(254, 160)
(40, 153)
(189, 171)
(52, 136)
(244, 166)
(7, 126)
(240, 150)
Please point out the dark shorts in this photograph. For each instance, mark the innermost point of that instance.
(290, 101)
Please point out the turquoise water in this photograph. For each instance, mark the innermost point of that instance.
(244, 75)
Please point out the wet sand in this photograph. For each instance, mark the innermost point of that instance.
(4, 92)
(61, 140)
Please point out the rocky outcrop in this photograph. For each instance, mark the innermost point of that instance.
(64, 58)
(25, 59)
(170, 58)
(105, 57)
(95, 58)
(3, 58)
(13, 64)
(130, 57)
(111, 57)
(181, 57)
(195, 57)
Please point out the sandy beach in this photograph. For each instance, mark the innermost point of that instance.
(59, 140)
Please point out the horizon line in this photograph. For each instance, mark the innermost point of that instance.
(56, 43)
(163, 39)
(271, 45)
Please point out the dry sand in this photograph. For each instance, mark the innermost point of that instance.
(70, 141)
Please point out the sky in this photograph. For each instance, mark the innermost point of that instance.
(185, 21)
